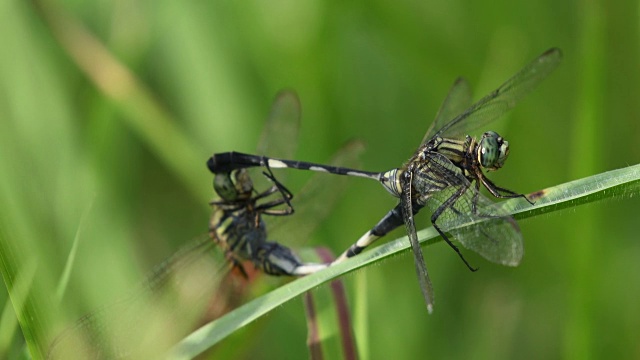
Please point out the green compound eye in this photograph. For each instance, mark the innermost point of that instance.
(233, 186)
(493, 150)
(223, 186)
(447, 170)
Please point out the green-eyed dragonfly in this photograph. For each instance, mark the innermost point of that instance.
(444, 174)
(189, 284)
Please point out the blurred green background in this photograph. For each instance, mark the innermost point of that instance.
(126, 146)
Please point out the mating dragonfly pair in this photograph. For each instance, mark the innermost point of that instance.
(445, 174)
(195, 283)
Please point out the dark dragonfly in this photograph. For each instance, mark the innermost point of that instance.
(193, 284)
(238, 228)
(237, 223)
(444, 174)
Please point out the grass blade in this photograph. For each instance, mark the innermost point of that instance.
(622, 182)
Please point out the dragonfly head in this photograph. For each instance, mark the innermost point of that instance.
(391, 182)
(236, 185)
(492, 151)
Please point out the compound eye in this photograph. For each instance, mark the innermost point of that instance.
(493, 151)
(233, 186)
(224, 186)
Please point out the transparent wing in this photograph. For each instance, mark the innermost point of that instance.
(166, 306)
(458, 100)
(181, 292)
(317, 198)
(279, 138)
(503, 98)
(421, 266)
(493, 233)
(201, 252)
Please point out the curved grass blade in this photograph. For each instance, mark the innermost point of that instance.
(315, 325)
(617, 183)
(15, 311)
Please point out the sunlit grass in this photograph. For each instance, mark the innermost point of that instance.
(621, 183)
(119, 117)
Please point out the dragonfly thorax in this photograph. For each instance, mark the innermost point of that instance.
(391, 181)
(492, 151)
(456, 150)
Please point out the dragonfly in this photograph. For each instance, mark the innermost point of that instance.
(197, 272)
(445, 174)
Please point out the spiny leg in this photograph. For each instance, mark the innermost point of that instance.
(495, 190)
(286, 194)
(436, 214)
(270, 204)
(474, 206)
(267, 208)
(510, 219)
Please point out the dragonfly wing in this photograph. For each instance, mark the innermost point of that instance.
(458, 100)
(505, 97)
(475, 221)
(317, 198)
(167, 305)
(495, 236)
(421, 266)
(279, 138)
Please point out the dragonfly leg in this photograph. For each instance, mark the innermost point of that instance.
(474, 203)
(264, 208)
(267, 208)
(495, 190)
(286, 194)
(448, 204)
